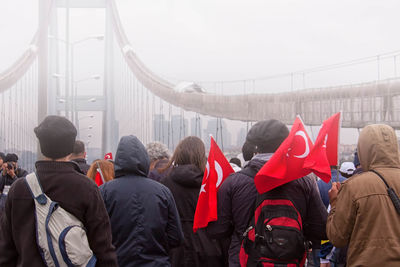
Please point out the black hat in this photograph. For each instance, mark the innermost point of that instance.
(267, 135)
(248, 151)
(11, 157)
(56, 136)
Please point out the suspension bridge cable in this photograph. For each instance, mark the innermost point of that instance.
(314, 69)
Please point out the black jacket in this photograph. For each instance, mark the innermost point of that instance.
(236, 200)
(144, 219)
(199, 249)
(8, 180)
(65, 184)
(82, 165)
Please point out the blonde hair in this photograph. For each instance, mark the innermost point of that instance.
(107, 169)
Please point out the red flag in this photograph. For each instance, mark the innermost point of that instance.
(287, 162)
(99, 178)
(217, 169)
(325, 151)
(108, 156)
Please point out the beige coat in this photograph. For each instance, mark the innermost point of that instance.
(363, 216)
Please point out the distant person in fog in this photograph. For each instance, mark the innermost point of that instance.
(79, 156)
(2, 158)
(236, 164)
(184, 180)
(10, 171)
(101, 171)
(159, 157)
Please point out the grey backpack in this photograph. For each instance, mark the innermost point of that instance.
(61, 237)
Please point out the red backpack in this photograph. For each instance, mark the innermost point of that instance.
(274, 236)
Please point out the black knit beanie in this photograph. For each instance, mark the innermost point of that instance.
(56, 136)
(267, 135)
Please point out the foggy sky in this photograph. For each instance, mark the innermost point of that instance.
(229, 40)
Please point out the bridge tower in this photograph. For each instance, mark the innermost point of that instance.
(68, 102)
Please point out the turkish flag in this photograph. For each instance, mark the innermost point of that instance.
(108, 156)
(217, 169)
(325, 151)
(98, 179)
(287, 162)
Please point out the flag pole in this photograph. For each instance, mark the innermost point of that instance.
(337, 164)
(302, 122)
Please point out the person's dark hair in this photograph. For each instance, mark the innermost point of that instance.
(190, 150)
(11, 157)
(236, 161)
(2, 156)
(248, 151)
(79, 147)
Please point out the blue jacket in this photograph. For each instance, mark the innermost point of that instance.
(144, 220)
(325, 187)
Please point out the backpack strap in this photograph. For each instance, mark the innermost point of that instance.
(392, 194)
(35, 188)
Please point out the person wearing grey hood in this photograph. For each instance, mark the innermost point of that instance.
(144, 219)
(237, 195)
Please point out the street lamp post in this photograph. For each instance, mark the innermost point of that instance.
(70, 72)
(72, 102)
(75, 94)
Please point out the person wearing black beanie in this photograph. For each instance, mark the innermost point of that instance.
(56, 137)
(63, 182)
(237, 194)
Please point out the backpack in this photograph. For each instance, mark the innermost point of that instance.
(60, 236)
(275, 234)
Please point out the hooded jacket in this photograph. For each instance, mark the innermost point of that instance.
(198, 249)
(144, 220)
(236, 200)
(363, 216)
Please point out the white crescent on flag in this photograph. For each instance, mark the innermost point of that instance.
(326, 140)
(307, 151)
(220, 173)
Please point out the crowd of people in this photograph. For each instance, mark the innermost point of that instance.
(138, 209)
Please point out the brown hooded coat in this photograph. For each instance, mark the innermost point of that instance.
(363, 216)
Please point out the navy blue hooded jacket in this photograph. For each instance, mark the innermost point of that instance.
(144, 220)
(325, 187)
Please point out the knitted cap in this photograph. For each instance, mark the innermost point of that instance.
(56, 136)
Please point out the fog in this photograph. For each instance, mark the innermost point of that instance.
(187, 40)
